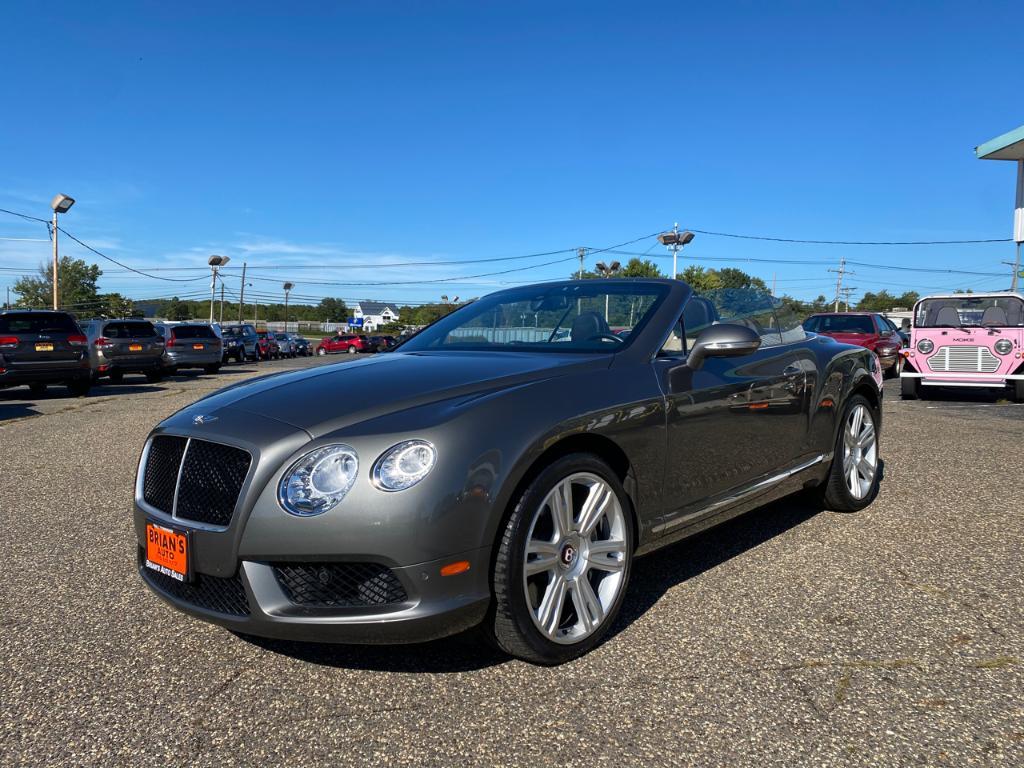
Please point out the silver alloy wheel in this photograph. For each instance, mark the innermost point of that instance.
(575, 558)
(860, 452)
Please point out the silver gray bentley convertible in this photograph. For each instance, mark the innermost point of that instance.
(501, 469)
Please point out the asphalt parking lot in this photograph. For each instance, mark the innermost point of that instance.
(787, 637)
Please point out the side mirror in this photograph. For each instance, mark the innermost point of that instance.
(723, 340)
(886, 334)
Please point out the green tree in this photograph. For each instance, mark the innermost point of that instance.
(176, 309)
(76, 286)
(641, 268)
(700, 279)
(332, 310)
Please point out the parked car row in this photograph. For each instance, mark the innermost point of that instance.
(43, 347)
(352, 343)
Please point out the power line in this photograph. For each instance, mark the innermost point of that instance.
(849, 242)
(125, 266)
(24, 216)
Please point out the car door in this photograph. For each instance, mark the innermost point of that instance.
(735, 420)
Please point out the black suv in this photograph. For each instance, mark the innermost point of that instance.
(40, 347)
(240, 342)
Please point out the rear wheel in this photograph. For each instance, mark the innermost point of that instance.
(211, 369)
(563, 562)
(321, 351)
(79, 387)
(154, 376)
(352, 350)
(37, 388)
(853, 478)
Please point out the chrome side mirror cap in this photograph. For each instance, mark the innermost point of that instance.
(723, 340)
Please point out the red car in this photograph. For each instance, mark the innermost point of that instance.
(343, 342)
(865, 329)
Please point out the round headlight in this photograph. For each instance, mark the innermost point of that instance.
(319, 480)
(404, 465)
(1004, 346)
(924, 346)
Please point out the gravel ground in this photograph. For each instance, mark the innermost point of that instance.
(787, 637)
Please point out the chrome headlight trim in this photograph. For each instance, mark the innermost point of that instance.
(390, 476)
(1003, 347)
(925, 346)
(318, 480)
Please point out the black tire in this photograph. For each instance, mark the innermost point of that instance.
(116, 377)
(172, 371)
(510, 624)
(79, 387)
(833, 493)
(37, 388)
(211, 369)
(1018, 391)
(154, 376)
(352, 350)
(910, 387)
(893, 370)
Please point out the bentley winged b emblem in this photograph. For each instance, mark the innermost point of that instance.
(201, 419)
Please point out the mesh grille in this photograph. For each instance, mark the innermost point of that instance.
(162, 464)
(209, 592)
(211, 480)
(339, 584)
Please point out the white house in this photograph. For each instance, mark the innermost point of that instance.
(371, 315)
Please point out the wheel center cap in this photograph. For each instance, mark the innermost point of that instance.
(568, 555)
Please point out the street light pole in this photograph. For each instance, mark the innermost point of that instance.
(607, 270)
(675, 240)
(215, 262)
(241, 296)
(287, 287)
(59, 204)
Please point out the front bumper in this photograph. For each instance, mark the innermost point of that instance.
(982, 380)
(435, 606)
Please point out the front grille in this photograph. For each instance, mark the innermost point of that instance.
(339, 584)
(211, 477)
(211, 593)
(968, 359)
(161, 475)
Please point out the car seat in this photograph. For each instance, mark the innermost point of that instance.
(587, 326)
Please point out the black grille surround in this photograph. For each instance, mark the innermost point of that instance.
(340, 585)
(211, 477)
(211, 593)
(161, 476)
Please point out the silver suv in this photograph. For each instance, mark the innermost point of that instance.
(117, 347)
(191, 345)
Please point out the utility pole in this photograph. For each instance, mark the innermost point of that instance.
(1018, 223)
(846, 294)
(8, 304)
(287, 288)
(843, 272)
(581, 252)
(59, 204)
(241, 295)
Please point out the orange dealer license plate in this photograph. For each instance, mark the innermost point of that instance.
(167, 551)
(197, 346)
(134, 347)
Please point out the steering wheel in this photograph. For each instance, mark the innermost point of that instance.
(606, 337)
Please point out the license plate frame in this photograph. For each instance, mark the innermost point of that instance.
(44, 346)
(169, 551)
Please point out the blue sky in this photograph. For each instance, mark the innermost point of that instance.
(346, 136)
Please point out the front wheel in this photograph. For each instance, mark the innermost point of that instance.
(910, 387)
(352, 350)
(321, 351)
(37, 388)
(563, 562)
(79, 387)
(154, 376)
(211, 369)
(1018, 391)
(854, 476)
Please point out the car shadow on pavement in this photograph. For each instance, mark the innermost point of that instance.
(17, 410)
(653, 576)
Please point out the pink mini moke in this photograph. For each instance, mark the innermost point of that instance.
(966, 340)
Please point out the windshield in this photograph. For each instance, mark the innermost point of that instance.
(960, 312)
(585, 316)
(839, 324)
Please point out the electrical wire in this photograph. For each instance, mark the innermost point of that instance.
(850, 242)
(125, 266)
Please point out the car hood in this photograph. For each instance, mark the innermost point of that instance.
(331, 397)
